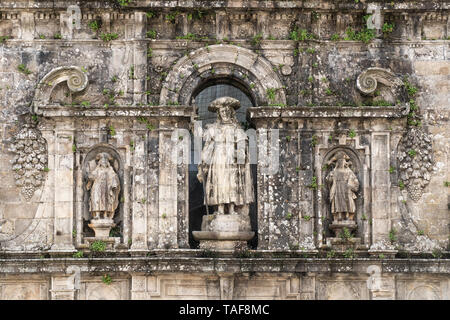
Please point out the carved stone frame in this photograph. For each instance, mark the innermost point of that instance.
(82, 158)
(360, 157)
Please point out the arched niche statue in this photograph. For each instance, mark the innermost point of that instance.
(343, 186)
(103, 187)
(226, 176)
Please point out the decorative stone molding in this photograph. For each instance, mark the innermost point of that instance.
(76, 80)
(31, 159)
(368, 82)
(222, 61)
(416, 161)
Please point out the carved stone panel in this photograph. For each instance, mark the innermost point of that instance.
(342, 289)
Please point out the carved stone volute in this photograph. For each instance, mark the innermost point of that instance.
(76, 80)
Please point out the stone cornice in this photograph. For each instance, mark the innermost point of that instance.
(214, 265)
(117, 112)
(232, 4)
(328, 112)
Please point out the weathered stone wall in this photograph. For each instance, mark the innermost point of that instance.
(134, 72)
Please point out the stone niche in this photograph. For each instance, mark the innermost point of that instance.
(143, 147)
(294, 205)
(112, 229)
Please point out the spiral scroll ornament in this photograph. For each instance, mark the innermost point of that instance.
(76, 79)
(368, 81)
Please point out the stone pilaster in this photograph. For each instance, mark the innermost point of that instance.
(64, 184)
(139, 198)
(27, 26)
(380, 186)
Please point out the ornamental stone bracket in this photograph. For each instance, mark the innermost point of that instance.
(76, 79)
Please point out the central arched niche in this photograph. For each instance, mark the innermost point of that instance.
(216, 89)
(202, 96)
(244, 67)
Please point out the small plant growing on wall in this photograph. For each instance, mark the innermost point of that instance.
(256, 40)
(345, 234)
(393, 235)
(78, 254)
(94, 25)
(124, 3)
(352, 133)
(170, 17)
(98, 246)
(388, 28)
(107, 37)
(106, 279)
(151, 34)
(3, 39)
(335, 37)
(112, 131)
(412, 153)
(349, 253)
(314, 140)
(23, 68)
(300, 35)
(313, 184)
(271, 93)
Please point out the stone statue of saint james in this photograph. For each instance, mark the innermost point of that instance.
(225, 167)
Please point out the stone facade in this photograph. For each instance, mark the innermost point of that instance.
(368, 80)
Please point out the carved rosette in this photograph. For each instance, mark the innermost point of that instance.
(31, 159)
(416, 161)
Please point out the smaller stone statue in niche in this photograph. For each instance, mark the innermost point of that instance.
(343, 187)
(104, 184)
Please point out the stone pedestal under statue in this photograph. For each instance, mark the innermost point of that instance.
(102, 227)
(224, 231)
